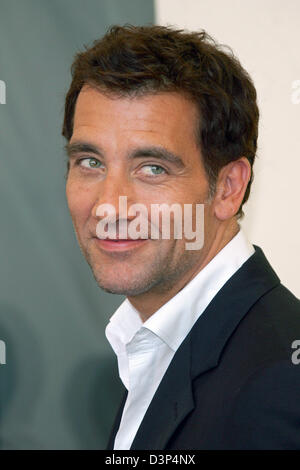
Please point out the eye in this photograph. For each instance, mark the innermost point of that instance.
(89, 162)
(153, 170)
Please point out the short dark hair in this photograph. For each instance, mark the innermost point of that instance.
(137, 60)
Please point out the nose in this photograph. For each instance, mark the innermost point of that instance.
(111, 194)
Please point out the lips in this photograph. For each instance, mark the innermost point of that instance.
(119, 244)
(120, 239)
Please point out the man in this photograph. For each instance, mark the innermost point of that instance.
(204, 338)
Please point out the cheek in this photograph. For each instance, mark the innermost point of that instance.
(79, 200)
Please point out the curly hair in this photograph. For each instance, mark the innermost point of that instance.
(137, 60)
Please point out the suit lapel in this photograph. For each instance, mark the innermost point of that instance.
(222, 316)
(201, 350)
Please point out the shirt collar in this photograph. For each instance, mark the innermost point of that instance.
(123, 326)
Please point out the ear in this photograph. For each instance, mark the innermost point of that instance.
(231, 187)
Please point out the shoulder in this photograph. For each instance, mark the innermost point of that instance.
(273, 321)
(266, 411)
(266, 408)
(280, 297)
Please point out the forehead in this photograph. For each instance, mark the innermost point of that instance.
(165, 116)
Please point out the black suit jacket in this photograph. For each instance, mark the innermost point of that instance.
(232, 383)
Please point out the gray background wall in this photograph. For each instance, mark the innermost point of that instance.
(59, 386)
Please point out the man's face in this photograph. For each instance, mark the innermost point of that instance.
(120, 131)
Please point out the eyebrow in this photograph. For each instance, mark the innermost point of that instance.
(154, 151)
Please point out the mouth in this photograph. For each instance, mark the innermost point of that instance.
(119, 244)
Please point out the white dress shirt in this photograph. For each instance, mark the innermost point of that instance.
(145, 350)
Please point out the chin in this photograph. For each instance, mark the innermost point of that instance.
(122, 290)
(127, 287)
